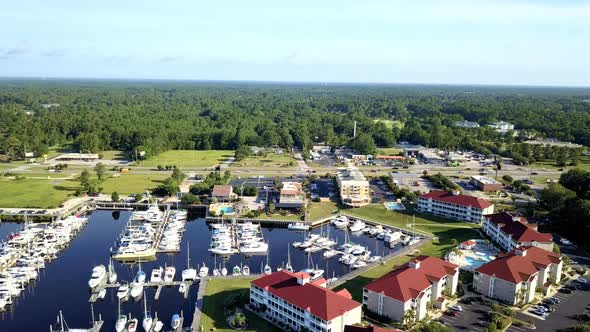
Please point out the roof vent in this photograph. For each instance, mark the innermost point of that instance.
(415, 264)
(521, 252)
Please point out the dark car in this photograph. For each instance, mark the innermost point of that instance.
(565, 291)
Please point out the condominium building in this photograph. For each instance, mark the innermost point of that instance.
(291, 196)
(299, 303)
(452, 204)
(411, 287)
(514, 277)
(510, 231)
(354, 188)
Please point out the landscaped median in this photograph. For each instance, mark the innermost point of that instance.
(222, 295)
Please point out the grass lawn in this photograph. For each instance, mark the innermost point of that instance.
(213, 316)
(583, 163)
(114, 155)
(277, 216)
(132, 183)
(319, 210)
(32, 193)
(388, 151)
(390, 123)
(271, 159)
(189, 158)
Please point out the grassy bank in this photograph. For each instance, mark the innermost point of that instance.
(271, 159)
(32, 193)
(189, 158)
(213, 316)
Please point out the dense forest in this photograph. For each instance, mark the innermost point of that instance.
(157, 116)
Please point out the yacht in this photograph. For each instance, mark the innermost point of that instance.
(330, 253)
(223, 271)
(182, 288)
(267, 269)
(246, 270)
(98, 275)
(121, 321)
(175, 323)
(156, 276)
(158, 324)
(357, 226)
(298, 226)
(340, 222)
(136, 290)
(102, 294)
(254, 248)
(169, 274)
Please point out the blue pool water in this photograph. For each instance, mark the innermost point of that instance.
(475, 263)
(395, 206)
(226, 210)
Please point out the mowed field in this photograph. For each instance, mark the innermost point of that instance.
(189, 158)
(271, 159)
(32, 193)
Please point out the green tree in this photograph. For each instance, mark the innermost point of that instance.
(190, 199)
(115, 196)
(100, 170)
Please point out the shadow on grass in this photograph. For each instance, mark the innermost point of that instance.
(213, 308)
(65, 188)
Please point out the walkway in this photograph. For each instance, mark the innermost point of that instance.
(196, 325)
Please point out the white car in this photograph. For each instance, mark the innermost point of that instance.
(582, 280)
(456, 307)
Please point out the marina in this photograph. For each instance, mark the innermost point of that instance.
(91, 249)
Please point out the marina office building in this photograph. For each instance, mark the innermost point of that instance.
(300, 303)
(411, 287)
(354, 187)
(452, 204)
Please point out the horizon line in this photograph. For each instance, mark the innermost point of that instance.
(325, 83)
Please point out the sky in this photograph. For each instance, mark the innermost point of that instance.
(511, 42)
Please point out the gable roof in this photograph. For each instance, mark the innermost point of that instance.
(224, 190)
(319, 301)
(407, 282)
(460, 199)
(516, 267)
(518, 227)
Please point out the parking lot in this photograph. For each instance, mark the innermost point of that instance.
(323, 188)
(380, 191)
(568, 312)
(473, 317)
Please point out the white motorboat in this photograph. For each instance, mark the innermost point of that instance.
(357, 226)
(98, 275)
(102, 294)
(267, 269)
(254, 248)
(392, 237)
(121, 321)
(340, 222)
(175, 323)
(136, 290)
(314, 273)
(236, 271)
(223, 271)
(330, 253)
(298, 226)
(140, 276)
(312, 249)
(203, 271)
(358, 264)
(246, 270)
(156, 276)
(296, 244)
(182, 288)
(158, 324)
(169, 274)
(123, 292)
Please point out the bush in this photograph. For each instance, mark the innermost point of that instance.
(507, 178)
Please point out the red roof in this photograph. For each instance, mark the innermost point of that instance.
(370, 328)
(469, 243)
(460, 199)
(319, 301)
(518, 227)
(406, 282)
(515, 267)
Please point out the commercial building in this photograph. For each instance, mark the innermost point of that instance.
(510, 231)
(404, 179)
(298, 302)
(452, 204)
(354, 188)
(77, 157)
(514, 277)
(485, 183)
(411, 287)
(410, 150)
(431, 156)
(291, 196)
(466, 124)
(223, 192)
(501, 126)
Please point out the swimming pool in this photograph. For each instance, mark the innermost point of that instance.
(226, 210)
(394, 206)
(473, 263)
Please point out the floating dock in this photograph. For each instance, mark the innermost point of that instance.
(158, 285)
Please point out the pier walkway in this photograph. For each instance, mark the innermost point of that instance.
(158, 285)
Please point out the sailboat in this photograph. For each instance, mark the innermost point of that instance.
(189, 273)
(147, 318)
(289, 267)
(132, 325)
(313, 273)
(112, 273)
(223, 270)
(175, 323)
(236, 270)
(267, 268)
(121, 321)
(158, 324)
(246, 270)
(203, 271)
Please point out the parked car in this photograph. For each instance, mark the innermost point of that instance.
(456, 307)
(582, 280)
(452, 313)
(565, 291)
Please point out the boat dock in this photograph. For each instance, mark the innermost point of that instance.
(196, 325)
(158, 285)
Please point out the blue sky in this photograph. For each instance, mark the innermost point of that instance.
(476, 42)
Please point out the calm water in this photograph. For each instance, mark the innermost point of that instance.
(62, 285)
